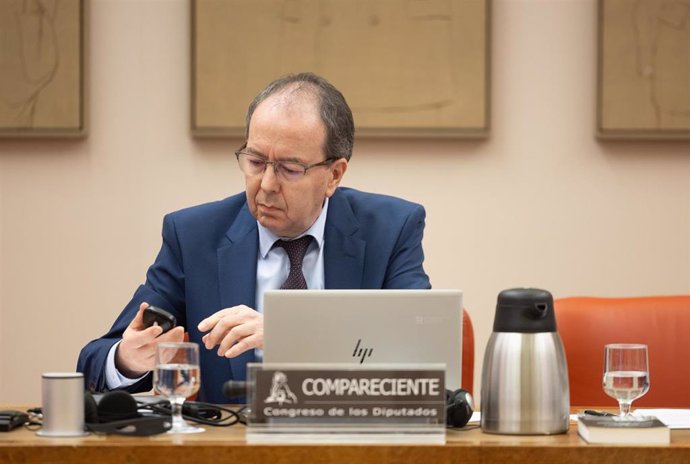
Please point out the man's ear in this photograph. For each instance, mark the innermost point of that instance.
(337, 171)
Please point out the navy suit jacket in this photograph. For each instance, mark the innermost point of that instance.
(208, 262)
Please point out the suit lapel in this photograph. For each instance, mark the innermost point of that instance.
(237, 274)
(344, 251)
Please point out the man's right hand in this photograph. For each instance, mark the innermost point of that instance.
(136, 354)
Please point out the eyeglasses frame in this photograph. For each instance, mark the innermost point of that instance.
(306, 167)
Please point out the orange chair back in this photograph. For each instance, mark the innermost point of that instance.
(663, 323)
(467, 371)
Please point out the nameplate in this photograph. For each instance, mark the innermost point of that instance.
(310, 403)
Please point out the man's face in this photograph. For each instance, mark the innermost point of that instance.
(289, 129)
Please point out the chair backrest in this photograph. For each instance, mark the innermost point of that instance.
(467, 352)
(661, 322)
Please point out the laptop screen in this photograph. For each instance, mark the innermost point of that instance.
(365, 326)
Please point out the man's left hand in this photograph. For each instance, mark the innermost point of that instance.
(235, 330)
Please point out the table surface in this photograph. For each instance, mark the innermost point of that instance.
(227, 444)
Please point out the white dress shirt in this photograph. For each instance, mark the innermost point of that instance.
(273, 267)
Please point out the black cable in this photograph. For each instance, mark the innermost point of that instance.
(242, 414)
(196, 411)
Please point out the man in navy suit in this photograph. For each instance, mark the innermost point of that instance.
(217, 259)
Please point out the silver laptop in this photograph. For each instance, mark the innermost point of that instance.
(365, 326)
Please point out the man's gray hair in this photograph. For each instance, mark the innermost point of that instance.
(333, 109)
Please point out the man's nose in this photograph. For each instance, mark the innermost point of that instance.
(269, 179)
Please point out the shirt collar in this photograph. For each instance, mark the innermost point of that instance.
(268, 238)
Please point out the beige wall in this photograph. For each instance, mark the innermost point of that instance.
(540, 203)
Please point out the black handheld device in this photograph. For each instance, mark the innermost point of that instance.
(10, 420)
(154, 315)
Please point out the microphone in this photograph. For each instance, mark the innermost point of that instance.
(234, 389)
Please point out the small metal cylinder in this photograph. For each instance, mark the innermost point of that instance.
(62, 404)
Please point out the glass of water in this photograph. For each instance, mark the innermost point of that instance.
(626, 374)
(176, 377)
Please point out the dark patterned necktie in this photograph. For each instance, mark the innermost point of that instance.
(295, 250)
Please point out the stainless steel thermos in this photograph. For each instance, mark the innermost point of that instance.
(525, 376)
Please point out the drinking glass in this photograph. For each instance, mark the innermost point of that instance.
(626, 374)
(176, 377)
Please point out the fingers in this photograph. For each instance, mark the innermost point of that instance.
(173, 335)
(235, 330)
(138, 321)
(136, 353)
(139, 338)
(211, 321)
(220, 330)
(247, 343)
(223, 321)
(236, 334)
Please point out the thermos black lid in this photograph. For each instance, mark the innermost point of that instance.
(524, 310)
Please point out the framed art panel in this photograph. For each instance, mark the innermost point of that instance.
(406, 67)
(644, 69)
(42, 68)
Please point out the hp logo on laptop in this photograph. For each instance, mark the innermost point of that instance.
(361, 353)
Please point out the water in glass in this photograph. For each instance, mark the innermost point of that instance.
(177, 380)
(176, 377)
(626, 385)
(626, 374)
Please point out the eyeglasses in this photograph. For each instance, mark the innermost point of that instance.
(254, 165)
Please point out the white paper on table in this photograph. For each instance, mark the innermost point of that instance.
(673, 418)
(476, 417)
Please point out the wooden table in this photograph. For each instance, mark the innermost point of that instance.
(227, 445)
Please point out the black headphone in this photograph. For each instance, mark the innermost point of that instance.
(117, 412)
(459, 407)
